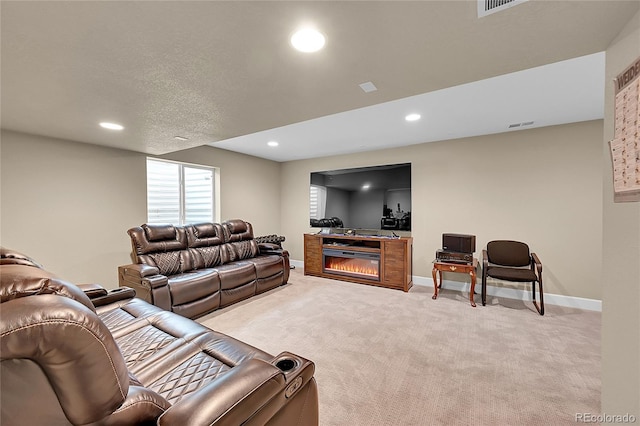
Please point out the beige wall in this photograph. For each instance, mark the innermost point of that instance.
(249, 186)
(69, 204)
(621, 258)
(542, 186)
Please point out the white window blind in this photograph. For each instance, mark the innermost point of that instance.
(178, 193)
(198, 195)
(317, 201)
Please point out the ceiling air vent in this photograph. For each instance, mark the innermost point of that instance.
(526, 123)
(487, 7)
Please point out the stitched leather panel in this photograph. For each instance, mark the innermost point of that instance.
(189, 376)
(211, 256)
(140, 344)
(242, 250)
(115, 318)
(168, 263)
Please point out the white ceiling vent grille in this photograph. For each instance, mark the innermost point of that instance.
(487, 7)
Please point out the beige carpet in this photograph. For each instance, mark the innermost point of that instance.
(385, 357)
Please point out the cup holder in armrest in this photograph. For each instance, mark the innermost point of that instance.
(297, 371)
(287, 364)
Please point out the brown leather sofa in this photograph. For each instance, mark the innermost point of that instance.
(81, 355)
(195, 269)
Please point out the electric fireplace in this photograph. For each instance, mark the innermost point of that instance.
(351, 263)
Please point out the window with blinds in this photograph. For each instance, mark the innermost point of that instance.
(179, 193)
(317, 201)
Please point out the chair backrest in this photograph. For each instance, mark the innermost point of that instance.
(56, 352)
(163, 246)
(239, 239)
(206, 241)
(508, 253)
(21, 276)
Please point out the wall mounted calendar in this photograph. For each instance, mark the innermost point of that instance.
(625, 146)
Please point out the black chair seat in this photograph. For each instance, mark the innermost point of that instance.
(512, 274)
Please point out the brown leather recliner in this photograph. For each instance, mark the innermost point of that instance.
(83, 355)
(195, 269)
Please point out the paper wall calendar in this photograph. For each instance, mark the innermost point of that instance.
(625, 146)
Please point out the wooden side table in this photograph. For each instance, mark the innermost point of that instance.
(464, 268)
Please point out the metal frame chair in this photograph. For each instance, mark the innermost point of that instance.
(512, 261)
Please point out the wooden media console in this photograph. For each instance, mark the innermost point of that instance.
(374, 260)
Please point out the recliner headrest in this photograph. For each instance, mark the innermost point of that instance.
(166, 238)
(12, 257)
(204, 230)
(22, 281)
(204, 235)
(237, 230)
(236, 226)
(159, 232)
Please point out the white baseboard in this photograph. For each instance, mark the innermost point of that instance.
(509, 293)
(297, 263)
(518, 294)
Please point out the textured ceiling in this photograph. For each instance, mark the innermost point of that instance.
(211, 71)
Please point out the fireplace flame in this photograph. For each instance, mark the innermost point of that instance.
(353, 266)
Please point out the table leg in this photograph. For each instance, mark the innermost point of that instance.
(473, 287)
(435, 284)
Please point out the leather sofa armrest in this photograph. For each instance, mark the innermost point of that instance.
(93, 290)
(270, 248)
(142, 275)
(148, 284)
(156, 281)
(140, 270)
(115, 295)
(230, 400)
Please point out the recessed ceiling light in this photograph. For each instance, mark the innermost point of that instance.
(366, 186)
(272, 143)
(307, 40)
(181, 138)
(111, 126)
(412, 117)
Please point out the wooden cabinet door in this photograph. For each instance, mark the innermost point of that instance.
(312, 255)
(394, 263)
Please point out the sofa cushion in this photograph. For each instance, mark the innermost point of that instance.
(190, 286)
(267, 266)
(235, 274)
(198, 362)
(265, 284)
(199, 307)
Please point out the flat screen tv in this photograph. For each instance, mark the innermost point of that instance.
(376, 197)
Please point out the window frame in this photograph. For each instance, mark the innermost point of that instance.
(182, 211)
